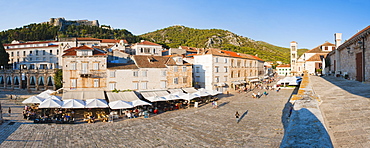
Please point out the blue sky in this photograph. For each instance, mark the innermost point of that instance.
(278, 22)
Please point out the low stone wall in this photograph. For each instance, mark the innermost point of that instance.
(306, 126)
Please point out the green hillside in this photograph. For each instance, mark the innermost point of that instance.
(42, 32)
(175, 36)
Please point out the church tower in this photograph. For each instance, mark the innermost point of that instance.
(293, 57)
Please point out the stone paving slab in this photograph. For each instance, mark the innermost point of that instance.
(261, 125)
(346, 109)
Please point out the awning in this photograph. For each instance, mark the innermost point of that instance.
(83, 95)
(220, 84)
(178, 90)
(189, 90)
(125, 96)
(236, 83)
(243, 82)
(151, 94)
(254, 80)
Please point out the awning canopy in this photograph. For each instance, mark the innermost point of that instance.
(243, 82)
(83, 95)
(236, 83)
(220, 84)
(178, 90)
(152, 96)
(189, 90)
(125, 96)
(254, 80)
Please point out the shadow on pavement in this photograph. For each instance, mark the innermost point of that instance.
(241, 117)
(223, 104)
(351, 86)
(305, 130)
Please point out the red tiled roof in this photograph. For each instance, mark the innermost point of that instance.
(36, 42)
(72, 51)
(317, 57)
(33, 47)
(121, 66)
(189, 49)
(88, 39)
(145, 61)
(284, 65)
(358, 33)
(109, 41)
(319, 50)
(148, 43)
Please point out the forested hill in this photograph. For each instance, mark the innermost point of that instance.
(175, 36)
(169, 37)
(44, 31)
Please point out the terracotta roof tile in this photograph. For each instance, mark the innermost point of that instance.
(88, 39)
(148, 43)
(316, 57)
(72, 51)
(319, 50)
(284, 65)
(35, 42)
(363, 30)
(121, 66)
(144, 61)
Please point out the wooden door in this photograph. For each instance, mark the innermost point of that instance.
(359, 67)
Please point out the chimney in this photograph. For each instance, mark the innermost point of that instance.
(338, 39)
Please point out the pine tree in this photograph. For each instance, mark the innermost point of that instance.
(4, 56)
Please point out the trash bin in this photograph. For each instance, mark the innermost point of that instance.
(195, 104)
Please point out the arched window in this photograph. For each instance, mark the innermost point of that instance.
(32, 80)
(41, 81)
(50, 81)
(16, 80)
(1, 80)
(9, 80)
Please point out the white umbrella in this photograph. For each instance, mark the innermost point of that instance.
(44, 95)
(156, 99)
(51, 103)
(172, 97)
(213, 92)
(177, 93)
(202, 93)
(96, 103)
(55, 97)
(73, 103)
(33, 99)
(49, 91)
(189, 96)
(120, 104)
(139, 103)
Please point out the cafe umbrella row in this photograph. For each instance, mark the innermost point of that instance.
(99, 104)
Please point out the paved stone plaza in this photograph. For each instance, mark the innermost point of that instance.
(260, 126)
(346, 109)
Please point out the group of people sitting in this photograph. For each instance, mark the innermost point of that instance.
(138, 112)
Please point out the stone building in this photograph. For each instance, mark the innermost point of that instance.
(145, 48)
(225, 70)
(283, 70)
(312, 60)
(35, 55)
(27, 79)
(84, 68)
(351, 59)
(149, 73)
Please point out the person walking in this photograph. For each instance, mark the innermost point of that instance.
(237, 117)
(9, 111)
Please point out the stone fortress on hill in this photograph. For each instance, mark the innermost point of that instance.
(62, 22)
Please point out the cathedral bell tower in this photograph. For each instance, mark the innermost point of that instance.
(293, 57)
